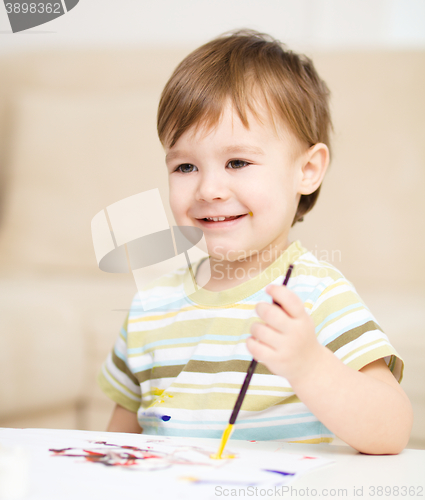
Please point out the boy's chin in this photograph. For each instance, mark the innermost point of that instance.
(233, 256)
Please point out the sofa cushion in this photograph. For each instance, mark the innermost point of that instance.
(71, 155)
(43, 355)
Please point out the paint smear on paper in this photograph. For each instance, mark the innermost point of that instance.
(283, 473)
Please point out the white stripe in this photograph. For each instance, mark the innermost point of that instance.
(367, 337)
(363, 351)
(332, 293)
(119, 388)
(343, 324)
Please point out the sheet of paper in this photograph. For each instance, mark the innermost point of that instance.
(114, 465)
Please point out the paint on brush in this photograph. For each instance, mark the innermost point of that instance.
(224, 438)
(165, 418)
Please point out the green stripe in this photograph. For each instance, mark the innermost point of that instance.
(198, 367)
(351, 335)
(224, 366)
(159, 372)
(119, 363)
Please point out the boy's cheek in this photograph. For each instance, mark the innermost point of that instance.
(174, 204)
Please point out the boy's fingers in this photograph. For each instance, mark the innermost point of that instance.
(287, 299)
(273, 315)
(262, 333)
(260, 352)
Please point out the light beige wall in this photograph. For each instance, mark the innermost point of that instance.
(371, 210)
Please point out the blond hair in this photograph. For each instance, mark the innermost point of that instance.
(235, 65)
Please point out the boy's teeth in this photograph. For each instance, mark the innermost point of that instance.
(216, 219)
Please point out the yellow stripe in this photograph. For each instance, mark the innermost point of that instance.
(217, 401)
(314, 441)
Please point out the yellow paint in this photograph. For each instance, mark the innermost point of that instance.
(161, 395)
(224, 438)
(250, 213)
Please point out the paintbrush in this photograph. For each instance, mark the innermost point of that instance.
(251, 369)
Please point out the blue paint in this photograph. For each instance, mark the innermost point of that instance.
(165, 418)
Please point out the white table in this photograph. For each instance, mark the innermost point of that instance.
(351, 476)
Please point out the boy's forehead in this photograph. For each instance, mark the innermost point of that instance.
(262, 124)
(260, 118)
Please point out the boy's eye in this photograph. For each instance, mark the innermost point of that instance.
(238, 163)
(183, 168)
(187, 168)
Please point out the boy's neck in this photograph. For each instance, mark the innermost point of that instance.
(229, 274)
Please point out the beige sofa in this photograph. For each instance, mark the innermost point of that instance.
(77, 133)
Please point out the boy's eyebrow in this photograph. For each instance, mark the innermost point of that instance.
(235, 149)
(243, 148)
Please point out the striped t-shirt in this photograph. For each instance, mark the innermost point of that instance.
(181, 367)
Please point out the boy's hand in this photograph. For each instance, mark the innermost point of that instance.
(287, 342)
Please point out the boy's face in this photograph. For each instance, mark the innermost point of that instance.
(231, 171)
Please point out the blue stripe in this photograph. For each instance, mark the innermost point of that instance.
(301, 431)
(123, 333)
(339, 313)
(138, 312)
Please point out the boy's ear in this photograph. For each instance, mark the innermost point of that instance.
(314, 167)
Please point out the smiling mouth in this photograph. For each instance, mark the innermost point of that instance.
(222, 218)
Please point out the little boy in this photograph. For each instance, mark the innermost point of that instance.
(245, 125)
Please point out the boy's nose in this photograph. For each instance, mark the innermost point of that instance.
(212, 186)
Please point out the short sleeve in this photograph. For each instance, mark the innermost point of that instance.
(346, 326)
(115, 377)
